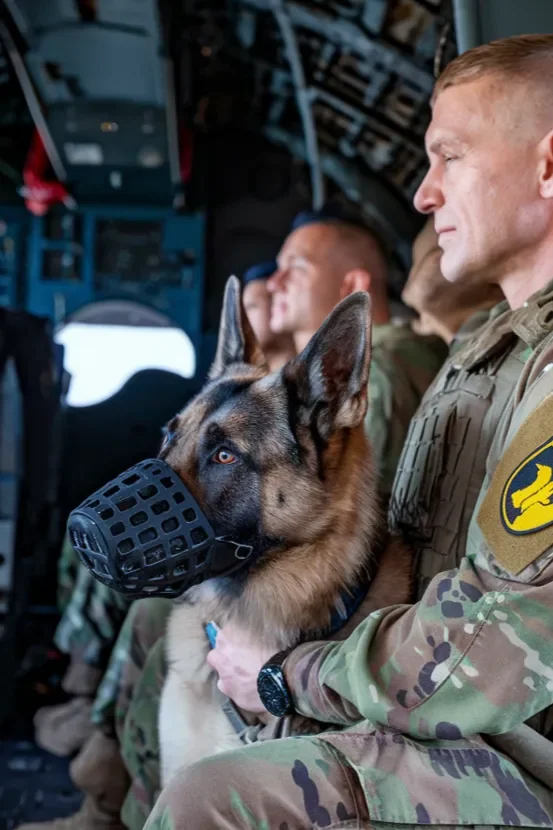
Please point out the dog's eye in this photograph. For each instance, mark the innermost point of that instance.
(224, 457)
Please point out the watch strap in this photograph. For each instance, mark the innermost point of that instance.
(277, 660)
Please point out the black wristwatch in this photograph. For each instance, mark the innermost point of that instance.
(272, 687)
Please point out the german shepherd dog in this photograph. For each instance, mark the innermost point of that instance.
(280, 460)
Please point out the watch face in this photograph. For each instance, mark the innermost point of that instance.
(273, 692)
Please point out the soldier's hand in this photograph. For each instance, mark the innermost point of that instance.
(238, 661)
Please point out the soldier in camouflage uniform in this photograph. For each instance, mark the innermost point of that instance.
(439, 713)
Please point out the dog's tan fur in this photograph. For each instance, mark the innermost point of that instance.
(325, 509)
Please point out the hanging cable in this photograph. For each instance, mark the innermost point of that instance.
(303, 102)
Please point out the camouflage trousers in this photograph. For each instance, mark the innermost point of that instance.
(92, 614)
(126, 705)
(140, 741)
(356, 778)
(143, 627)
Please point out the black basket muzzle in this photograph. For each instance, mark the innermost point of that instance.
(144, 535)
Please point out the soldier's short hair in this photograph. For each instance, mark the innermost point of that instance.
(526, 58)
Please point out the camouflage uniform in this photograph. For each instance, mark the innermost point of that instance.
(136, 670)
(68, 570)
(92, 616)
(143, 627)
(403, 365)
(140, 740)
(423, 694)
(92, 613)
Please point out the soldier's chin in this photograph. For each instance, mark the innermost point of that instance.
(279, 323)
(453, 267)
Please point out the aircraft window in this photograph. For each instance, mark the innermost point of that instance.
(107, 343)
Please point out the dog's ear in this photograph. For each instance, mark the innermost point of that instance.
(332, 372)
(237, 342)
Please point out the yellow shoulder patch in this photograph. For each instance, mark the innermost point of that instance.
(516, 516)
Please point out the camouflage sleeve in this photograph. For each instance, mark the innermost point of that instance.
(475, 655)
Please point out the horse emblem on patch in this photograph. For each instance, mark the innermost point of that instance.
(527, 498)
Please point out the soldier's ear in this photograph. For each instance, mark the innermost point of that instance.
(356, 279)
(546, 166)
(331, 374)
(237, 343)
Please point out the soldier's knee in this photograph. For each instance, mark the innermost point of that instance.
(200, 796)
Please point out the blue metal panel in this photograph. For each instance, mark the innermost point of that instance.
(53, 298)
(185, 304)
(182, 301)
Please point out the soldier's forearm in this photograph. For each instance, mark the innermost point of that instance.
(437, 669)
(302, 669)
